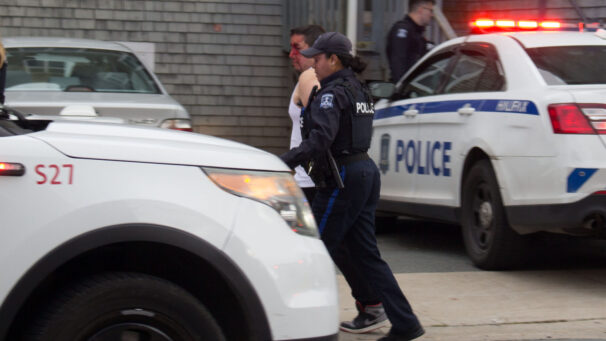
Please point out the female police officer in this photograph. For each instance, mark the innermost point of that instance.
(336, 131)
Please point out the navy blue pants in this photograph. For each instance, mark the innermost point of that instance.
(346, 219)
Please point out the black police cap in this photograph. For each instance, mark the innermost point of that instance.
(329, 42)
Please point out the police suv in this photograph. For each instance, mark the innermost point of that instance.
(502, 133)
(115, 232)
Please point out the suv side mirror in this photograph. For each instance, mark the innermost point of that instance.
(382, 89)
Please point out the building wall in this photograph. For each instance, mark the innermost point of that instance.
(223, 60)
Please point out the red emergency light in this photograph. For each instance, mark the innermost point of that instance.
(486, 25)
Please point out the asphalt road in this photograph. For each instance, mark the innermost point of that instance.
(557, 295)
(412, 246)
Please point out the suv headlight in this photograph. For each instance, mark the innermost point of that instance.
(275, 189)
(177, 124)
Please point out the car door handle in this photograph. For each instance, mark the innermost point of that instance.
(466, 110)
(411, 112)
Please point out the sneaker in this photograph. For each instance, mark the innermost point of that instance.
(409, 335)
(369, 318)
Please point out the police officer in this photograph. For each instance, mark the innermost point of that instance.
(405, 41)
(3, 66)
(336, 131)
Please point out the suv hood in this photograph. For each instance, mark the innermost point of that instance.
(106, 141)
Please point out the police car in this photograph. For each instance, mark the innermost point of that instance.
(502, 133)
(115, 232)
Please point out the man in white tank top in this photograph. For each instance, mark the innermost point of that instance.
(302, 38)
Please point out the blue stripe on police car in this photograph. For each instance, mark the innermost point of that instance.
(577, 178)
(482, 105)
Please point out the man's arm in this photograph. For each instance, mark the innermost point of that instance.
(307, 81)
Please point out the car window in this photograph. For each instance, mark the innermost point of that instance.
(428, 77)
(570, 64)
(474, 72)
(76, 69)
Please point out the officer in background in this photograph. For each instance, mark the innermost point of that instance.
(3, 66)
(405, 41)
(336, 131)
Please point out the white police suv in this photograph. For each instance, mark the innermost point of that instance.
(112, 232)
(502, 133)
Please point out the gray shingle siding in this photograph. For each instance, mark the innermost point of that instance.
(223, 60)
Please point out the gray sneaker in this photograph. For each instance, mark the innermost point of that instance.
(369, 318)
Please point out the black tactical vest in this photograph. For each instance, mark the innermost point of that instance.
(355, 129)
(361, 115)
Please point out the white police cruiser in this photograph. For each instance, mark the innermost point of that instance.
(502, 133)
(112, 232)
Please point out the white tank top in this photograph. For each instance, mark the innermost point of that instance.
(303, 180)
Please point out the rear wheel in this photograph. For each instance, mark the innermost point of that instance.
(489, 240)
(126, 306)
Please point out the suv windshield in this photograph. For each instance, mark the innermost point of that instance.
(76, 69)
(570, 64)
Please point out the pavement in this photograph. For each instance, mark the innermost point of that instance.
(504, 306)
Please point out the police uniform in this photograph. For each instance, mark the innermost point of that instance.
(338, 124)
(2, 81)
(405, 45)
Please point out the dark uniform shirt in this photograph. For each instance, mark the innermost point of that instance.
(405, 45)
(329, 127)
(2, 82)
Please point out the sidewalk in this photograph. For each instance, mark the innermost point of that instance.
(525, 305)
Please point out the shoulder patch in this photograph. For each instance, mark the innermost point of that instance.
(326, 101)
(402, 33)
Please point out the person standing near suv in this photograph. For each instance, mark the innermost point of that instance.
(337, 131)
(405, 41)
(302, 38)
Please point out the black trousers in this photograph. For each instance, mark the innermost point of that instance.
(346, 220)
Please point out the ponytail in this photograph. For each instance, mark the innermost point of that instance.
(355, 63)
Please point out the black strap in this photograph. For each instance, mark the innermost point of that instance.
(348, 159)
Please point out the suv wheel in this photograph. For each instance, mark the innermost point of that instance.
(126, 306)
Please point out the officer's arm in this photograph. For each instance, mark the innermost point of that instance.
(325, 125)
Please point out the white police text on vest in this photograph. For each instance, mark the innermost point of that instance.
(365, 108)
(426, 157)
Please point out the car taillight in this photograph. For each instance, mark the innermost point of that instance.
(596, 114)
(573, 118)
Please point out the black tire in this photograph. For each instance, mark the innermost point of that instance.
(126, 306)
(489, 240)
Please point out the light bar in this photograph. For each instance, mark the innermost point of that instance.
(551, 24)
(506, 23)
(11, 169)
(487, 24)
(528, 24)
(483, 23)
